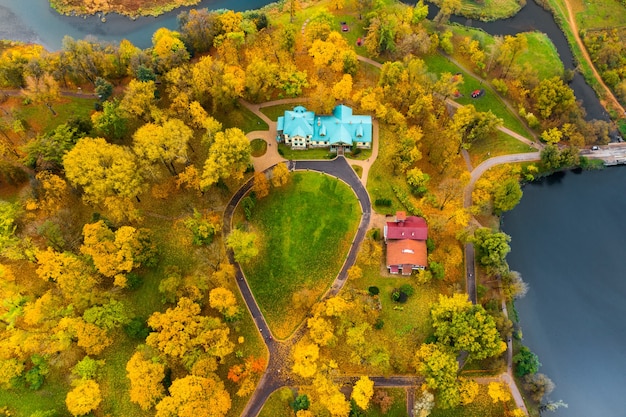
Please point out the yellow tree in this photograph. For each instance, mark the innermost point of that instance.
(321, 330)
(138, 100)
(54, 192)
(195, 396)
(103, 170)
(498, 392)
(224, 301)
(439, 368)
(280, 175)
(305, 358)
(229, 156)
(261, 186)
(146, 380)
(43, 89)
(331, 397)
(83, 399)
(342, 90)
(362, 392)
(468, 390)
(182, 333)
(165, 142)
(168, 50)
(243, 244)
(113, 253)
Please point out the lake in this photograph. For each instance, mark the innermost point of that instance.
(568, 241)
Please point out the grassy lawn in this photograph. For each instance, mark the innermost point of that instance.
(51, 396)
(502, 144)
(274, 112)
(39, 118)
(358, 169)
(595, 14)
(490, 101)
(277, 405)
(406, 324)
(258, 147)
(305, 230)
(481, 407)
(488, 10)
(317, 153)
(242, 118)
(381, 177)
(541, 55)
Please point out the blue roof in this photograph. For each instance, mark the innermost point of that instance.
(342, 127)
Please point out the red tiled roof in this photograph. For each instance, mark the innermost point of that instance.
(413, 227)
(406, 252)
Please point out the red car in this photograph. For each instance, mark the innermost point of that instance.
(344, 27)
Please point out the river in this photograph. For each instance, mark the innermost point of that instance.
(568, 241)
(36, 21)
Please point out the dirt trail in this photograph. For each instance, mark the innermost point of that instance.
(571, 18)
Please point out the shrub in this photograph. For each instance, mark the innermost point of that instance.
(386, 202)
(399, 296)
(407, 289)
(301, 402)
(437, 270)
(380, 323)
(137, 328)
(373, 290)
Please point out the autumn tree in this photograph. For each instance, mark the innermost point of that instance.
(474, 125)
(424, 403)
(509, 49)
(439, 367)
(229, 156)
(168, 50)
(464, 326)
(246, 375)
(165, 142)
(46, 151)
(492, 247)
(506, 195)
(107, 173)
(305, 358)
(138, 100)
(42, 89)
(83, 399)
(195, 396)
(498, 392)
(224, 301)
(553, 98)
(280, 175)
(448, 7)
(362, 392)
(243, 245)
(330, 396)
(198, 28)
(146, 379)
(261, 185)
(115, 253)
(182, 333)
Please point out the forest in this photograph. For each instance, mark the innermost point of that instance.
(117, 163)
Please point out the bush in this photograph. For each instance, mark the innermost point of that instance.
(380, 323)
(437, 270)
(430, 245)
(407, 289)
(373, 290)
(301, 402)
(399, 296)
(382, 202)
(137, 328)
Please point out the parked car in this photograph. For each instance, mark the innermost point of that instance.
(344, 27)
(594, 148)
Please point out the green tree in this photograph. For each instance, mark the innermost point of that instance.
(492, 247)
(301, 402)
(243, 245)
(111, 122)
(103, 89)
(47, 150)
(526, 362)
(439, 367)
(506, 195)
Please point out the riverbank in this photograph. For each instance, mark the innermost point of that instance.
(131, 8)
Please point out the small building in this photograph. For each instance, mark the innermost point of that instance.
(302, 129)
(405, 239)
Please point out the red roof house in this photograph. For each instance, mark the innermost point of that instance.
(406, 244)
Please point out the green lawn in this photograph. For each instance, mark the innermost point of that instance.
(597, 14)
(258, 147)
(305, 230)
(277, 405)
(317, 153)
(501, 144)
(41, 119)
(487, 10)
(490, 101)
(274, 112)
(541, 55)
(242, 118)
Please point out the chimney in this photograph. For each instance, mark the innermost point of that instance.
(400, 216)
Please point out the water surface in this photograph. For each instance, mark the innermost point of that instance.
(569, 242)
